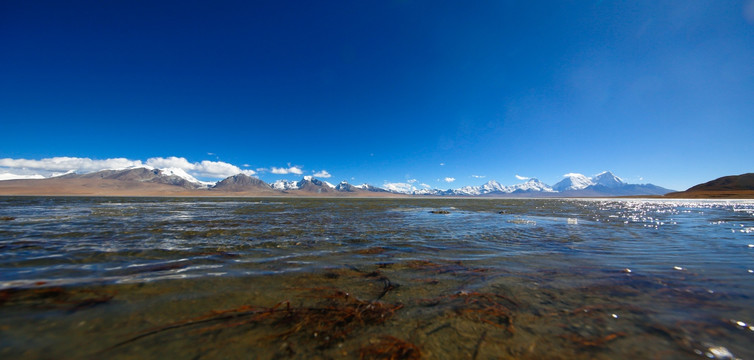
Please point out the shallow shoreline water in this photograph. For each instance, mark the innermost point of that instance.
(375, 278)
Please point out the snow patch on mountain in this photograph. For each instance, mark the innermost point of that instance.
(184, 175)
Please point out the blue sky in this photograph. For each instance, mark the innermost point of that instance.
(385, 91)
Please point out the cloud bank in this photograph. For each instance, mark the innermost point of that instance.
(26, 168)
(522, 178)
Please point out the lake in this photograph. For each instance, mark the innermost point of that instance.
(325, 278)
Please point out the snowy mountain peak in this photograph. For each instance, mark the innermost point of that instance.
(345, 186)
(573, 181)
(492, 186)
(607, 179)
(532, 185)
(284, 185)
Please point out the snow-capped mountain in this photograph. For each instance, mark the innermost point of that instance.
(574, 185)
(607, 179)
(491, 186)
(346, 187)
(371, 188)
(284, 185)
(573, 181)
(310, 184)
(436, 192)
(400, 188)
(532, 185)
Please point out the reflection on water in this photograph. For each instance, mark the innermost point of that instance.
(375, 278)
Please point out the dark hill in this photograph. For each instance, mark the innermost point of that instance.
(727, 183)
(726, 187)
(241, 182)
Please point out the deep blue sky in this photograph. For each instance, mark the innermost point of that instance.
(380, 91)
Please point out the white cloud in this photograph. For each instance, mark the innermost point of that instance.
(322, 174)
(170, 162)
(449, 179)
(479, 176)
(442, 164)
(9, 176)
(69, 163)
(219, 169)
(405, 188)
(426, 186)
(284, 171)
(411, 181)
(522, 178)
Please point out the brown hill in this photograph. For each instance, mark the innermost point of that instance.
(137, 175)
(93, 187)
(242, 182)
(727, 183)
(734, 186)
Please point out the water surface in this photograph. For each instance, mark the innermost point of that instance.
(374, 278)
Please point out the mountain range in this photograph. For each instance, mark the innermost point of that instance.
(156, 181)
(573, 185)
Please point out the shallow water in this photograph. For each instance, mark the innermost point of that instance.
(374, 278)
